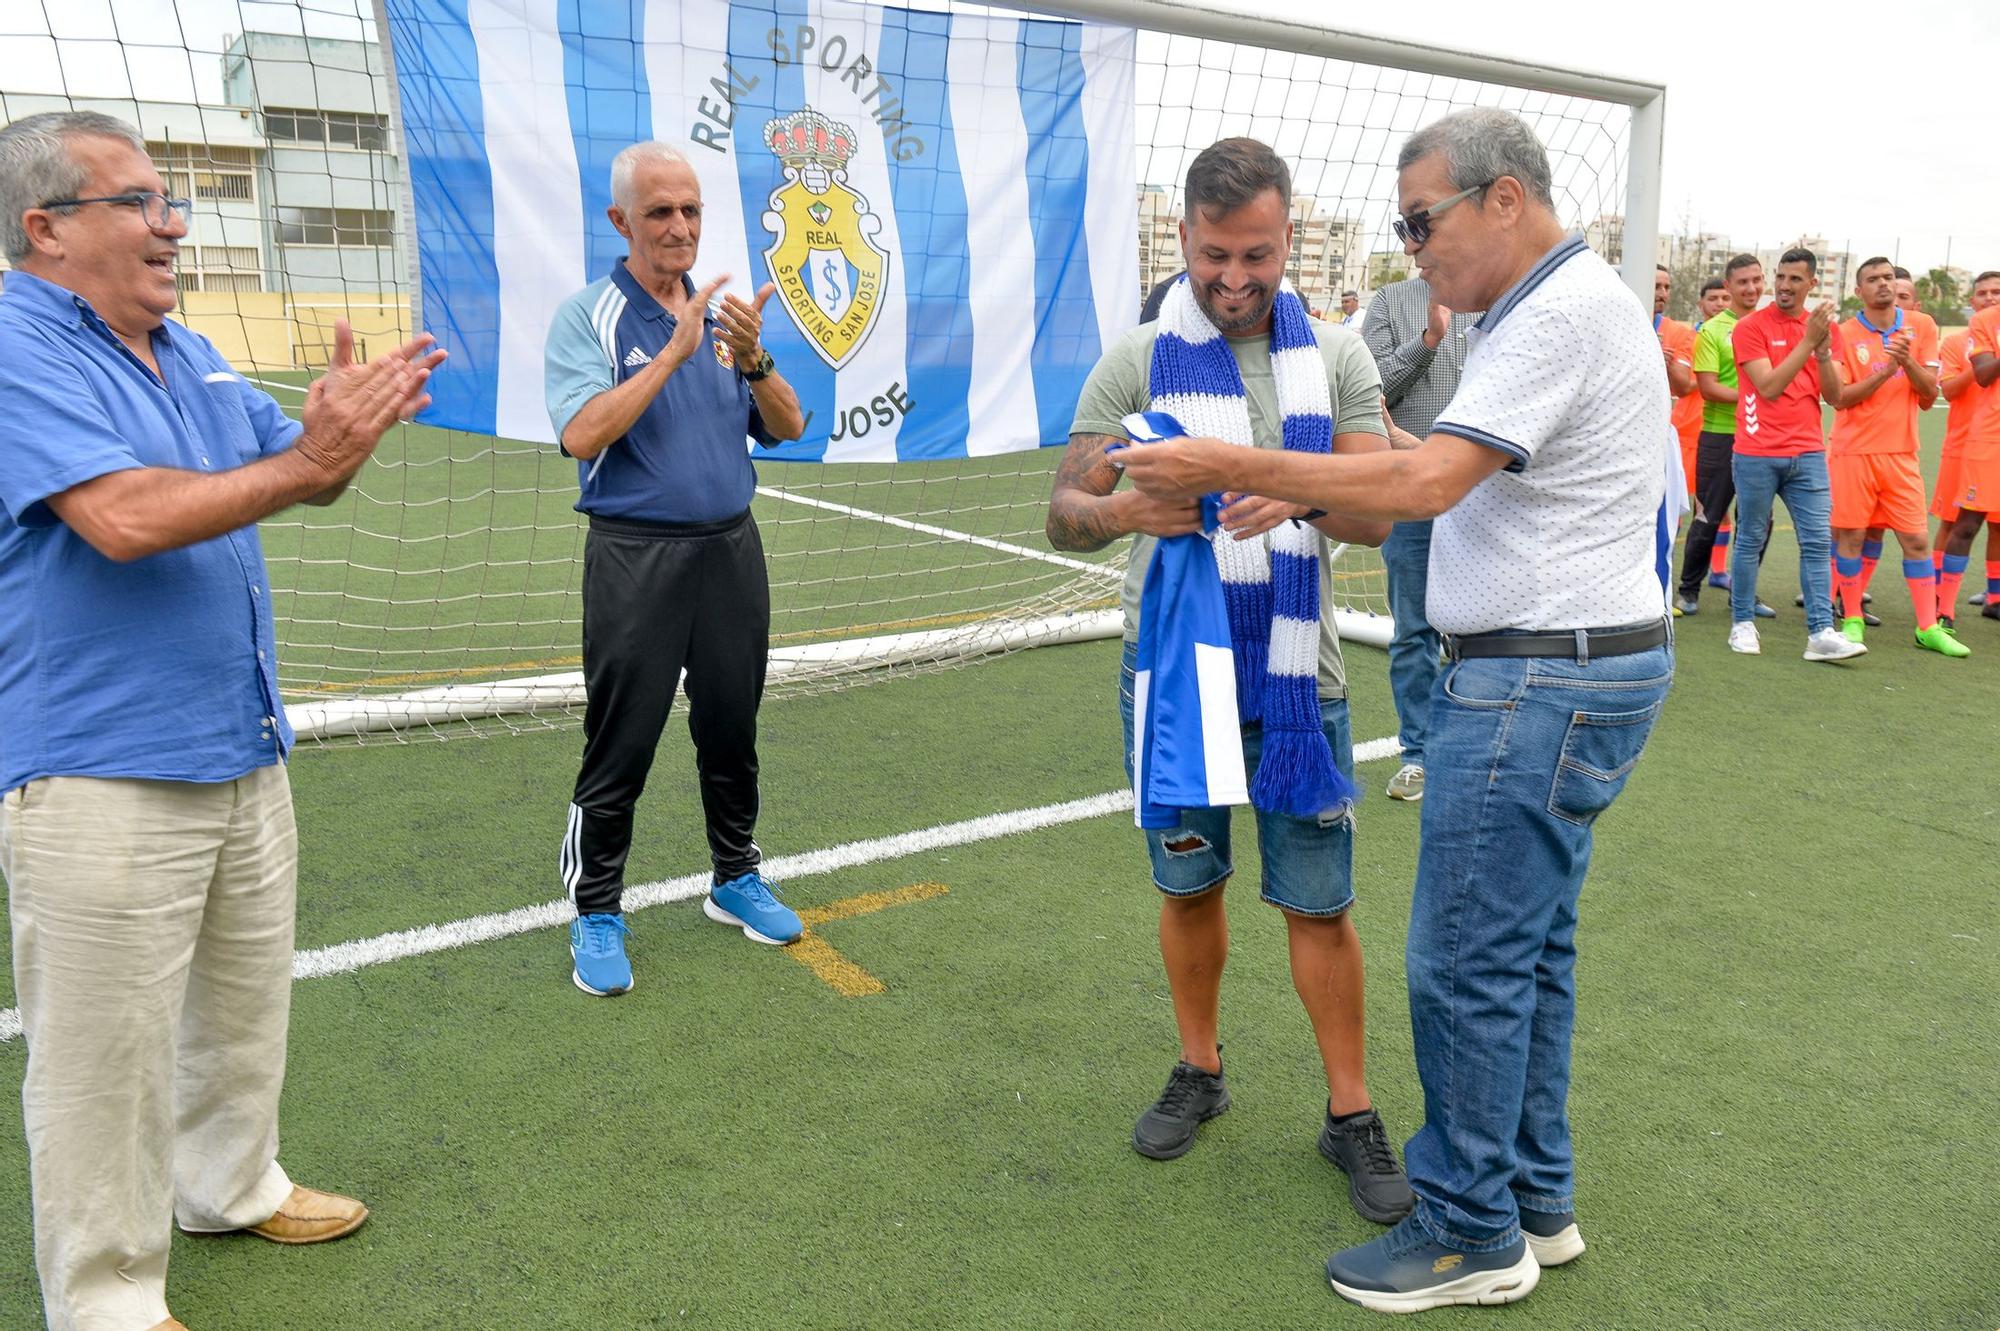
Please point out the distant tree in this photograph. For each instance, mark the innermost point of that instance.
(1685, 269)
(1938, 294)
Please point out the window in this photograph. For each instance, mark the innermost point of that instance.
(203, 171)
(336, 226)
(220, 268)
(338, 129)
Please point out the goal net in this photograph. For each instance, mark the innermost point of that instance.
(441, 595)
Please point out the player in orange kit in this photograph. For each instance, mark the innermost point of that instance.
(1956, 386)
(1979, 483)
(1888, 357)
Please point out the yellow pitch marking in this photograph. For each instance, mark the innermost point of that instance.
(824, 960)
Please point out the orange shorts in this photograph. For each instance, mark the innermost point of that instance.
(1944, 499)
(1690, 445)
(1877, 490)
(1979, 480)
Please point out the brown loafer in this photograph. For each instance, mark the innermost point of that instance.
(312, 1217)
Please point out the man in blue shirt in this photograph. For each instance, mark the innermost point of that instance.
(655, 393)
(146, 832)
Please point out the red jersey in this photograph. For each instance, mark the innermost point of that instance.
(1886, 420)
(1791, 424)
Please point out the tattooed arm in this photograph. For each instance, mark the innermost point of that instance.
(1085, 514)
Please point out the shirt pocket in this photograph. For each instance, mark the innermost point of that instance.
(228, 438)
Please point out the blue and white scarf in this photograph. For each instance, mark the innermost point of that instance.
(1271, 586)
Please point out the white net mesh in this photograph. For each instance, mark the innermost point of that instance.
(453, 565)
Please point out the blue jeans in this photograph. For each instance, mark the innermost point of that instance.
(1413, 652)
(1308, 862)
(1801, 482)
(1525, 754)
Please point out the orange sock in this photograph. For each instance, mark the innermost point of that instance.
(1950, 574)
(1718, 557)
(1923, 592)
(1847, 585)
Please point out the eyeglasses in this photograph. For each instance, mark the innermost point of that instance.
(154, 207)
(1415, 228)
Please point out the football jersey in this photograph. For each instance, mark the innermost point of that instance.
(1886, 420)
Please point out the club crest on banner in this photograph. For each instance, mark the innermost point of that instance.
(829, 271)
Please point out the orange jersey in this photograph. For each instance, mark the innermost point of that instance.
(1678, 338)
(1954, 359)
(1886, 420)
(1983, 434)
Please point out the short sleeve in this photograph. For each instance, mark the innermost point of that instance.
(54, 430)
(1954, 357)
(575, 365)
(1926, 344)
(1355, 382)
(1521, 391)
(1985, 338)
(1708, 351)
(1117, 385)
(1747, 342)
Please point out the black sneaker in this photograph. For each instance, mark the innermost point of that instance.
(1948, 624)
(1991, 610)
(1376, 1184)
(1192, 1097)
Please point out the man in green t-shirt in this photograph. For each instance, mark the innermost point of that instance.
(1715, 448)
(1237, 237)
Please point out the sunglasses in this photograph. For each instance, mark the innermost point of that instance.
(1415, 228)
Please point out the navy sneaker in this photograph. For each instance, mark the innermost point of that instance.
(1192, 1097)
(1406, 1271)
(748, 903)
(1553, 1238)
(1762, 611)
(1376, 1184)
(1719, 580)
(597, 947)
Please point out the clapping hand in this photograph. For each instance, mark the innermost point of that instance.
(742, 323)
(348, 408)
(690, 323)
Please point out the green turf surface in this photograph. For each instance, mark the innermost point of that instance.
(1784, 1085)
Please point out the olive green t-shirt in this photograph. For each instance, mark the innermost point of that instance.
(1714, 354)
(1118, 386)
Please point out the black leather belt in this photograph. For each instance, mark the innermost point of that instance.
(1575, 644)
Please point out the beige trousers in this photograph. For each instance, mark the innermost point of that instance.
(152, 929)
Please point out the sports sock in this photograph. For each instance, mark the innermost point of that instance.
(1871, 555)
(1923, 592)
(1847, 585)
(1949, 577)
(1937, 557)
(1718, 558)
(1993, 577)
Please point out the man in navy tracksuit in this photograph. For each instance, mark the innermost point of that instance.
(653, 393)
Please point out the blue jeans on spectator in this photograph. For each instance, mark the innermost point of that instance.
(1413, 652)
(1801, 482)
(1525, 754)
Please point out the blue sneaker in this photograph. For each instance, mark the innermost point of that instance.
(1719, 580)
(1406, 1271)
(597, 945)
(747, 903)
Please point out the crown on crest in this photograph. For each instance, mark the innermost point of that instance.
(806, 139)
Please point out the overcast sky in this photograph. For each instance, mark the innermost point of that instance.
(1843, 122)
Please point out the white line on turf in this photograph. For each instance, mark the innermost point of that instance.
(1104, 571)
(403, 944)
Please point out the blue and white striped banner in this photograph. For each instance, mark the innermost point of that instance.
(951, 262)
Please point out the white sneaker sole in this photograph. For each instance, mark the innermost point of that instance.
(1860, 649)
(1565, 1245)
(1405, 796)
(721, 916)
(576, 978)
(1484, 1289)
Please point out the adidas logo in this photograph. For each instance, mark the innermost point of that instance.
(636, 357)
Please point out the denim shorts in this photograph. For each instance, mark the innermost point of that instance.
(1308, 862)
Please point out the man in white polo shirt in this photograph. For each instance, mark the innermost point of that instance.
(1545, 475)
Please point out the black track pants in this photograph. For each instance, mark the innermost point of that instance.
(658, 600)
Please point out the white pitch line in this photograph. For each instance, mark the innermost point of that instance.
(1005, 547)
(273, 383)
(342, 958)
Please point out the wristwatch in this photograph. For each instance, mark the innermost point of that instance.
(762, 369)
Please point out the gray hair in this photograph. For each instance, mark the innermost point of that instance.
(626, 164)
(36, 166)
(1481, 145)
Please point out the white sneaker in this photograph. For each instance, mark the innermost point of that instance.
(1743, 638)
(1408, 783)
(1832, 645)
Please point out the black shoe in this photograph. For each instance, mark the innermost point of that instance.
(1192, 1097)
(1376, 1184)
(1948, 624)
(1871, 619)
(1991, 610)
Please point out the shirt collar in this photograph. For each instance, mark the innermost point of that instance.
(642, 299)
(1571, 246)
(56, 302)
(1861, 317)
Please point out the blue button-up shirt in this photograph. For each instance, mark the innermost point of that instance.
(163, 668)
